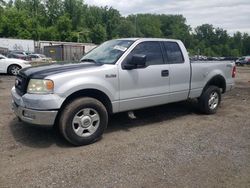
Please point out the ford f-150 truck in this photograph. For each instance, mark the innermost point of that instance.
(119, 75)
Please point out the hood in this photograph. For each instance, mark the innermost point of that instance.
(40, 72)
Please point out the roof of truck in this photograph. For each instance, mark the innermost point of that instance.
(157, 39)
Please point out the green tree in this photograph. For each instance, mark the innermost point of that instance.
(54, 9)
(125, 29)
(147, 25)
(246, 44)
(111, 19)
(49, 33)
(75, 9)
(98, 34)
(64, 27)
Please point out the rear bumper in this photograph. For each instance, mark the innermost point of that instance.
(35, 117)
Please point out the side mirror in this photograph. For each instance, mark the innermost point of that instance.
(137, 61)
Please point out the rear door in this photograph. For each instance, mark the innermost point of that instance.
(179, 70)
(147, 86)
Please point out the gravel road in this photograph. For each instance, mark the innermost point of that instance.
(167, 146)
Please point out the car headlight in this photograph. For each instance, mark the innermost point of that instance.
(40, 86)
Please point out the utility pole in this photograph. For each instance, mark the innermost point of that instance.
(135, 25)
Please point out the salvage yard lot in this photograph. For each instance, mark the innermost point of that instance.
(167, 146)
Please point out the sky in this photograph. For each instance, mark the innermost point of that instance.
(232, 15)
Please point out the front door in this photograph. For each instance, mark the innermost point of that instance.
(147, 86)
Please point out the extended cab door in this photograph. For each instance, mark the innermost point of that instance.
(179, 70)
(144, 86)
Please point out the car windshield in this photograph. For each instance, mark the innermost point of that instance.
(108, 52)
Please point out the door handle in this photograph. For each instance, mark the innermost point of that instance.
(164, 73)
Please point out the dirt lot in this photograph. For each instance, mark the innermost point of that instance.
(167, 146)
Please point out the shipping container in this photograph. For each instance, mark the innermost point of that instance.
(39, 45)
(65, 52)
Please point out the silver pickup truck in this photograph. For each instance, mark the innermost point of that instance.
(119, 75)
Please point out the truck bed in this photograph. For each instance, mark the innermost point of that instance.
(202, 71)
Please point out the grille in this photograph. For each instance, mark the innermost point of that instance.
(21, 84)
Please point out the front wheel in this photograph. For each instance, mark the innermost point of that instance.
(210, 100)
(83, 121)
(13, 69)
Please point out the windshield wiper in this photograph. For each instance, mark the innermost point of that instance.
(89, 60)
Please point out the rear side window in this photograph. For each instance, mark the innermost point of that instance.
(151, 49)
(173, 53)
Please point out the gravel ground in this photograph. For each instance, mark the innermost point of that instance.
(167, 146)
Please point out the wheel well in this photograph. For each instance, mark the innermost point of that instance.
(12, 65)
(218, 81)
(97, 94)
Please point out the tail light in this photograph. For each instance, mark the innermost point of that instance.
(234, 72)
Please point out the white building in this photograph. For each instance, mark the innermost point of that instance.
(18, 44)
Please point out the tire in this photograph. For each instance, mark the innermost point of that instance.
(83, 121)
(210, 100)
(13, 69)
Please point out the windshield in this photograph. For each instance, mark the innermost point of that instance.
(108, 52)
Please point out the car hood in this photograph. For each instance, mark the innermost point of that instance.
(40, 72)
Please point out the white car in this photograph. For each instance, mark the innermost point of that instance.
(39, 58)
(12, 66)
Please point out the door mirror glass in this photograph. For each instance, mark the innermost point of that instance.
(136, 61)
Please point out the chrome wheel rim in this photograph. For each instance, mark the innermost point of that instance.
(86, 122)
(213, 100)
(14, 70)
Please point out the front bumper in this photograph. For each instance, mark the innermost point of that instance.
(36, 117)
(35, 109)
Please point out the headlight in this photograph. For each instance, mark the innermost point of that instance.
(40, 86)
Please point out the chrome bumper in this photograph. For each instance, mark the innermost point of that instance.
(34, 116)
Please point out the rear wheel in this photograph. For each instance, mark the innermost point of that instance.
(210, 100)
(83, 121)
(13, 69)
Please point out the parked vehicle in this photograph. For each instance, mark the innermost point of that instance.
(12, 66)
(21, 52)
(17, 56)
(231, 58)
(119, 75)
(198, 58)
(39, 58)
(243, 61)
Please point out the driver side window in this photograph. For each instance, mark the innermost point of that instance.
(151, 49)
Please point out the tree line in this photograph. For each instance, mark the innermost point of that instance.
(75, 21)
